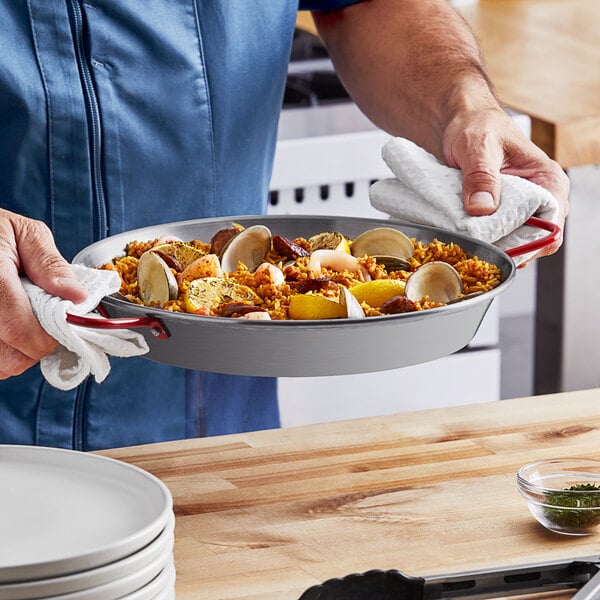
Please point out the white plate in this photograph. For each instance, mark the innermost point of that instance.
(125, 586)
(167, 594)
(160, 588)
(62, 511)
(43, 588)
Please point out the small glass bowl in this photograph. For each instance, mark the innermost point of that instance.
(563, 494)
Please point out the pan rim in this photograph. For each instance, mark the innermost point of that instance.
(137, 310)
(142, 311)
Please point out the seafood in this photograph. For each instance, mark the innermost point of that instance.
(250, 247)
(156, 281)
(387, 245)
(353, 308)
(437, 280)
(271, 272)
(335, 259)
(253, 274)
(207, 265)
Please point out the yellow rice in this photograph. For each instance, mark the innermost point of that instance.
(476, 275)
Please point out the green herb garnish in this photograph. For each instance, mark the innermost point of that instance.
(567, 516)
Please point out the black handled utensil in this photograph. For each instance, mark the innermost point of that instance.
(582, 574)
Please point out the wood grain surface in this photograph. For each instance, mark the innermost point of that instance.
(544, 59)
(265, 515)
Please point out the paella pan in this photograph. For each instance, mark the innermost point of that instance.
(297, 348)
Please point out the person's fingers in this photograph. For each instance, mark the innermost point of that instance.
(22, 340)
(487, 143)
(540, 169)
(13, 362)
(472, 144)
(481, 190)
(480, 160)
(27, 248)
(42, 263)
(529, 162)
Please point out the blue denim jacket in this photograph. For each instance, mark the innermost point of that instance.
(117, 114)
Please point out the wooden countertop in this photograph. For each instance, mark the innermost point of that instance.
(544, 59)
(265, 515)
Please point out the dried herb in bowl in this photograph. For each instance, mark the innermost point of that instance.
(574, 510)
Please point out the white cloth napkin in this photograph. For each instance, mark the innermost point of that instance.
(427, 192)
(82, 351)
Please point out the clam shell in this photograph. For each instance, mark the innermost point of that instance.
(353, 308)
(466, 297)
(156, 282)
(437, 280)
(383, 241)
(392, 263)
(249, 247)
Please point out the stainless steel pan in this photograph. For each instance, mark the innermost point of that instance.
(302, 348)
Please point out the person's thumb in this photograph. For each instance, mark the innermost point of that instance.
(42, 263)
(481, 189)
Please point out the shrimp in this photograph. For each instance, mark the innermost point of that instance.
(337, 260)
(271, 272)
(205, 266)
(256, 316)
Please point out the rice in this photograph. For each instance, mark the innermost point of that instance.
(477, 276)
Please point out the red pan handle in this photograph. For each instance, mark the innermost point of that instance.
(551, 238)
(157, 329)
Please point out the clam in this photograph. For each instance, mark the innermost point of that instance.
(353, 308)
(392, 263)
(466, 297)
(156, 281)
(249, 247)
(388, 246)
(437, 280)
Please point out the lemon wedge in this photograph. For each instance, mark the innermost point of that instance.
(180, 251)
(329, 240)
(376, 292)
(207, 292)
(311, 306)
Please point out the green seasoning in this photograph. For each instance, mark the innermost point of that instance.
(567, 515)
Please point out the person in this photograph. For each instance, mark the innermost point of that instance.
(116, 117)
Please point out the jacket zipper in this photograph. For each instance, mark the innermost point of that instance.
(93, 117)
(79, 415)
(99, 202)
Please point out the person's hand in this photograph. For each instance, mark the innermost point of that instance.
(27, 248)
(484, 144)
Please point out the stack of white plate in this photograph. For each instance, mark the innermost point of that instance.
(78, 526)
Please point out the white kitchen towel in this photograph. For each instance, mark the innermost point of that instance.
(427, 192)
(81, 351)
